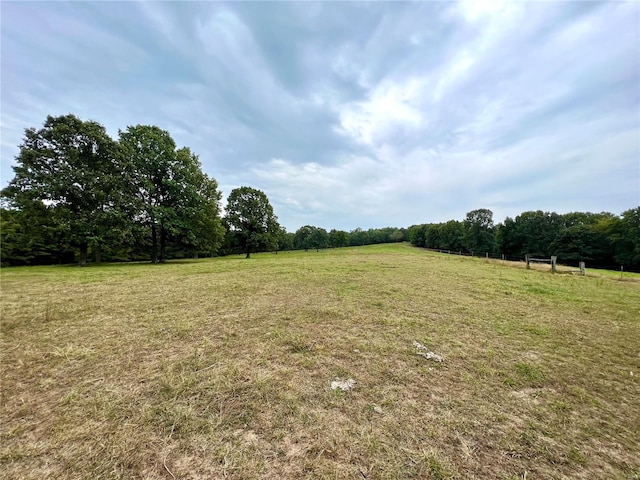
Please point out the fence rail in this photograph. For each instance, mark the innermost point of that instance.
(553, 260)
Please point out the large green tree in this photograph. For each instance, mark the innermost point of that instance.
(479, 231)
(152, 154)
(174, 201)
(249, 215)
(71, 169)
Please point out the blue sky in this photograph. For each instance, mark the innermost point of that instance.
(352, 114)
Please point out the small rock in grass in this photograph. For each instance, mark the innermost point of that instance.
(377, 409)
(344, 385)
(424, 352)
(431, 356)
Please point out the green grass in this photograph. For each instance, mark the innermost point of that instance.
(221, 369)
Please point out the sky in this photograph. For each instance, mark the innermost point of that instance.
(351, 114)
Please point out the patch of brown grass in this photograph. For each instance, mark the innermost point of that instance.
(221, 369)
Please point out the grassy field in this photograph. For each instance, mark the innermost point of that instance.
(222, 369)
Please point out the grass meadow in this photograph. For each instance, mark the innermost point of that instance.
(221, 368)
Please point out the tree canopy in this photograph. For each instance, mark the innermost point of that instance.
(76, 188)
(250, 216)
(478, 230)
(601, 239)
(70, 169)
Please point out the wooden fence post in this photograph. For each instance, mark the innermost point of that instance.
(487, 255)
(526, 259)
(553, 264)
(582, 271)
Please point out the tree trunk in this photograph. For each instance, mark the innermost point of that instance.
(83, 254)
(98, 254)
(154, 242)
(248, 251)
(163, 244)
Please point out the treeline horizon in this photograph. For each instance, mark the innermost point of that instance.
(602, 239)
(79, 196)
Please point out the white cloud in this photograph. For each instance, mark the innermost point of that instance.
(392, 107)
(479, 10)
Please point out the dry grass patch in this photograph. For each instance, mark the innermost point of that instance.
(222, 369)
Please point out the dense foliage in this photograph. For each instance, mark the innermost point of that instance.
(251, 220)
(310, 237)
(77, 192)
(600, 239)
(79, 195)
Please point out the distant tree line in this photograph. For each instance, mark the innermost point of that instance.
(310, 237)
(599, 239)
(316, 238)
(79, 195)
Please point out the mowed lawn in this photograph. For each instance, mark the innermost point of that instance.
(221, 368)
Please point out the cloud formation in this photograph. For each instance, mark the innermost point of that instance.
(352, 114)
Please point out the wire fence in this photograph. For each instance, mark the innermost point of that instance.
(567, 267)
(465, 253)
